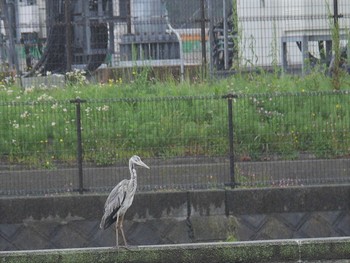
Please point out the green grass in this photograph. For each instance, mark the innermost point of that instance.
(273, 116)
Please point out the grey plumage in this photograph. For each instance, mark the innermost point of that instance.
(120, 199)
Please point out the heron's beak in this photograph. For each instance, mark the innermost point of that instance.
(141, 163)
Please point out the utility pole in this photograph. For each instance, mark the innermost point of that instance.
(336, 47)
(6, 8)
(68, 22)
(202, 21)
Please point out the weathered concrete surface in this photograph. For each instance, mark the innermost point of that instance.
(177, 217)
(176, 173)
(50, 81)
(300, 250)
(196, 172)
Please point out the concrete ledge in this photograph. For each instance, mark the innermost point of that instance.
(297, 250)
(59, 222)
(202, 203)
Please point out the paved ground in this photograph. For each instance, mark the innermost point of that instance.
(185, 173)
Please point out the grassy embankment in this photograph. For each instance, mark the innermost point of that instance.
(273, 115)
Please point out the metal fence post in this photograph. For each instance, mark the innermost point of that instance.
(230, 98)
(77, 102)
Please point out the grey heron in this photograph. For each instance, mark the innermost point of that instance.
(120, 199)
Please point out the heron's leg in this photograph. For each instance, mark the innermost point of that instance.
(116, 231)
(122, 230)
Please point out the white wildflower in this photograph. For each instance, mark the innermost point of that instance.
(25, 115)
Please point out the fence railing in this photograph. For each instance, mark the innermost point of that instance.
(240, 140)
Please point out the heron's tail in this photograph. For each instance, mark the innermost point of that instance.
(102, 224)
(106, 221)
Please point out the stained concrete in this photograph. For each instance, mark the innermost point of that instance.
(175, 173)
(300, 250)
(177, 217)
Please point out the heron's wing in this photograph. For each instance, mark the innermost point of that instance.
(113, 204)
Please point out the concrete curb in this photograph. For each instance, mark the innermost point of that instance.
(296, 250)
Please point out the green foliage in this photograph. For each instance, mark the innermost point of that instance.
(274, 117)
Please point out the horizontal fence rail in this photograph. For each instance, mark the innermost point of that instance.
(240, 140)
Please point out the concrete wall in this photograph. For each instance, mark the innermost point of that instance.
(304, 250)
(177, 217)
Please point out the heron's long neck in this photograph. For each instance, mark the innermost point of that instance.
(133, 179)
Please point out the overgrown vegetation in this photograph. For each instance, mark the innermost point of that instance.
(274, 117)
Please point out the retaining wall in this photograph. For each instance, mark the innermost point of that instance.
(177, 217)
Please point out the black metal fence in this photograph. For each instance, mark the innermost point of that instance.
(177, 137)
(292, 139)
(60, 35)
(256, 140)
